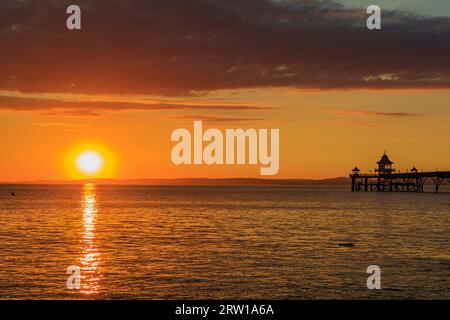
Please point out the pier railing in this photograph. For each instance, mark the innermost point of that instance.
(398, 181)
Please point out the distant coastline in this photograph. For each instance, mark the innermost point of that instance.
(197, 182)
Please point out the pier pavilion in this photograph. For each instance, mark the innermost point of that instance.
(386, 179)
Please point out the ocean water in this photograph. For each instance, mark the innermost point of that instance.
(163, 242)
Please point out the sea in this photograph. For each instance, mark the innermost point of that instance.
(178, 242)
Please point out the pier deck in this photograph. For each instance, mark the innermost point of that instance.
(401, 181)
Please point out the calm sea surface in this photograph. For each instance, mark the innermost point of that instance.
(152, 242)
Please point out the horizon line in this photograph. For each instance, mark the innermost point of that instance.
(141, 181)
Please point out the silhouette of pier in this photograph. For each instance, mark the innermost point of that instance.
(386, 179)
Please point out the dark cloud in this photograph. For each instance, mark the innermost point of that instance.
(377, 113)
(93, 108)
(177, 46)
(391, 114)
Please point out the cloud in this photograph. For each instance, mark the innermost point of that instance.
(376, 113)
(175, 47)
(218, 119)
(363, 124)
(58, 124)
(74, 105)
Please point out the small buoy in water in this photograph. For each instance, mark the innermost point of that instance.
(349, 245)
(13, 194)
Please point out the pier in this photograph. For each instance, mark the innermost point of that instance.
(386, 179)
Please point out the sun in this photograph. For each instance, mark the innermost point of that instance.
(90, 162)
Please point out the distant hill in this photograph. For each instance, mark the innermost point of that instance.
(201, 182)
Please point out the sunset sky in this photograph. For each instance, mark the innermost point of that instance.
(339, 93)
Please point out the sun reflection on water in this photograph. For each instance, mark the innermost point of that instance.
(90, 256)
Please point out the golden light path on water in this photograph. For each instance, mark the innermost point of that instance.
(90, 256)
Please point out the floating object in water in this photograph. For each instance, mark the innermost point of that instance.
(348, 245)
(13, 194)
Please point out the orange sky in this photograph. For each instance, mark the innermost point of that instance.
(323, 133)
(340, 93)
